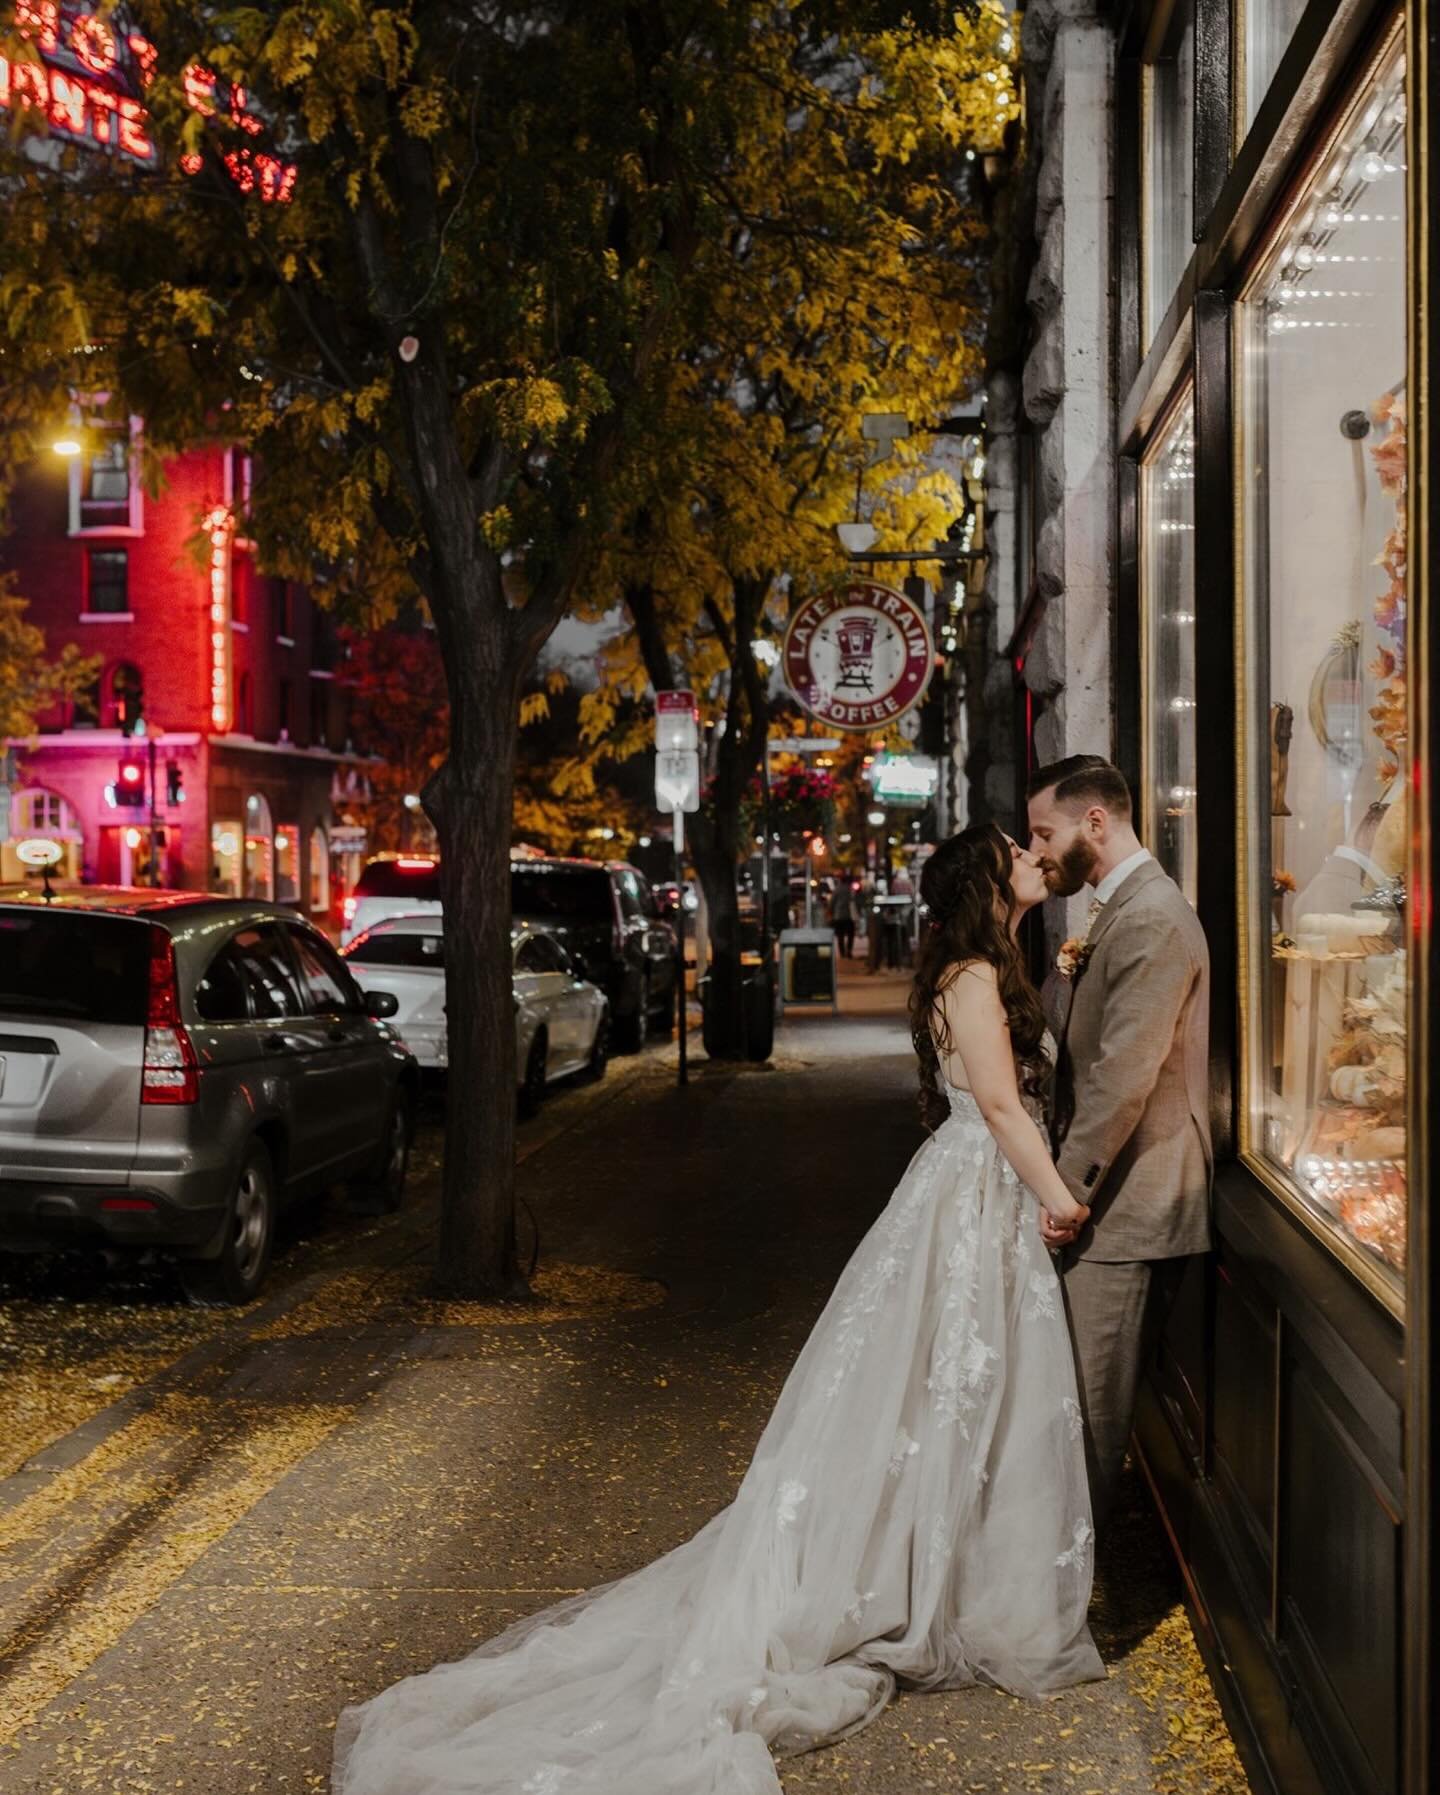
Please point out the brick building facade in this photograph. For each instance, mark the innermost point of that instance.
(219, 678)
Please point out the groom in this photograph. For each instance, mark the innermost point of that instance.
(1132, 1133)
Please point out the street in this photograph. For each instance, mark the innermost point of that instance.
(290, 1506)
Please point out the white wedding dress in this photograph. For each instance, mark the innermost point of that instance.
(916, 1512)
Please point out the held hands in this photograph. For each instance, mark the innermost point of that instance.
(1059, 1231)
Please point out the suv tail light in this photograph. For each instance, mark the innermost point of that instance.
(171, 1071)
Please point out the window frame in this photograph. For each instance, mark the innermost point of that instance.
(1386, 1286)
(88, 613)
(1155, 443)
(135, 508)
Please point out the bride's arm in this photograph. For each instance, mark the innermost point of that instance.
(982, 1054)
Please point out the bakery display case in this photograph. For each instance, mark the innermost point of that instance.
(1326, 770)
(1167, 653)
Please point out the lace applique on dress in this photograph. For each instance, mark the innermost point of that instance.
(903, 1448)
(791, 1496)
(1078, 1553)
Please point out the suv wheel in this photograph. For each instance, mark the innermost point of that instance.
(384, 1187)
(532, 1089)
(239, 1271)
(631, 1030)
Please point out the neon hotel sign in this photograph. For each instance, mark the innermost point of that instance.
(86, 80)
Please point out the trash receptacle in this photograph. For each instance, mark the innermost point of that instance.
(757, 1010)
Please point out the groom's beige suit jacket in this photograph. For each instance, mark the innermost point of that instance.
(1133, 1077)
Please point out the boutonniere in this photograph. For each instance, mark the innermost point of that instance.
(1074, 954)
(1073, 957)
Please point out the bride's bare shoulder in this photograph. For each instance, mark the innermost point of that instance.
(981, 970)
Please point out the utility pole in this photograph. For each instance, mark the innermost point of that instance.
(154, 817)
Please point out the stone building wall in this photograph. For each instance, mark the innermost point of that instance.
(1067, 382)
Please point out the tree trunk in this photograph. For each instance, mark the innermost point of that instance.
(469, 800)
(724, 1006)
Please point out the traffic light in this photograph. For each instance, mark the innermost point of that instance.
(174, 783)
(130, 780)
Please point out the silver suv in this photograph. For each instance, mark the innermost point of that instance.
(175, 1067)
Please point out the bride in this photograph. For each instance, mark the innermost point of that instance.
(916, 1512)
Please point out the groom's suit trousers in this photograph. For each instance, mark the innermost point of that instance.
(1116, 1310)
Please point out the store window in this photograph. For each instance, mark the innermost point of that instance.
(107, 585)
(287, 863)
(319, 871)
(1168, 644)
(1266, 29)
(1326, 658)
(259, 848)
(1169, 166)
(225, 858)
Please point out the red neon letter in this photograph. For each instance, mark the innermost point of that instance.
(68, 102)
(144, 53)
(133, 137)
(23, 82)
(94, 43)
(102, 108)
(246, 120)
(200, 90)
(39, 19)
(241, 173)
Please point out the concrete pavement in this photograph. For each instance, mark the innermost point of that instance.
(356, 1481)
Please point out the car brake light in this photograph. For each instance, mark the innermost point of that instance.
(171, 1071)
(415, 866)
(129, 1205)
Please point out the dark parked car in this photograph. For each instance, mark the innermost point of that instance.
(175, 1067)
(608, 921)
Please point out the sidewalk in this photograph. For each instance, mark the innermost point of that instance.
(357, 1481)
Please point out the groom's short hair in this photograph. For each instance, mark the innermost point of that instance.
(1083, 779)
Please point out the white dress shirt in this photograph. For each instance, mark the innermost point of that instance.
(1114, 879)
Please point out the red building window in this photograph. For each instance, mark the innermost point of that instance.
(107, 583)
(244, 706)
(105, 485)
(125, 699)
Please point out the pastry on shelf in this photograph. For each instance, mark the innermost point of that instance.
(1346, 934)
(1377, 1220)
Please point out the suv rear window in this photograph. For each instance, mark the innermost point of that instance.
(574, 893)
(393, 878)
(390, 948)
(74, 968)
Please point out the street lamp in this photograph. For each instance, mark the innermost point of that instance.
(67, 447)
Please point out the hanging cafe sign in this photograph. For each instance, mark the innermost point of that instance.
(858, 656)
(87, 82)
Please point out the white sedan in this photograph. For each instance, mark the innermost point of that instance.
(562, 1021)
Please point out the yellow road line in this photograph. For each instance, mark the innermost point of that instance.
(227, 1489)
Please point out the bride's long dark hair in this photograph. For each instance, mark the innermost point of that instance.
(970, 901)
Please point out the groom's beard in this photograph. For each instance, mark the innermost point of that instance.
(1073, 871)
